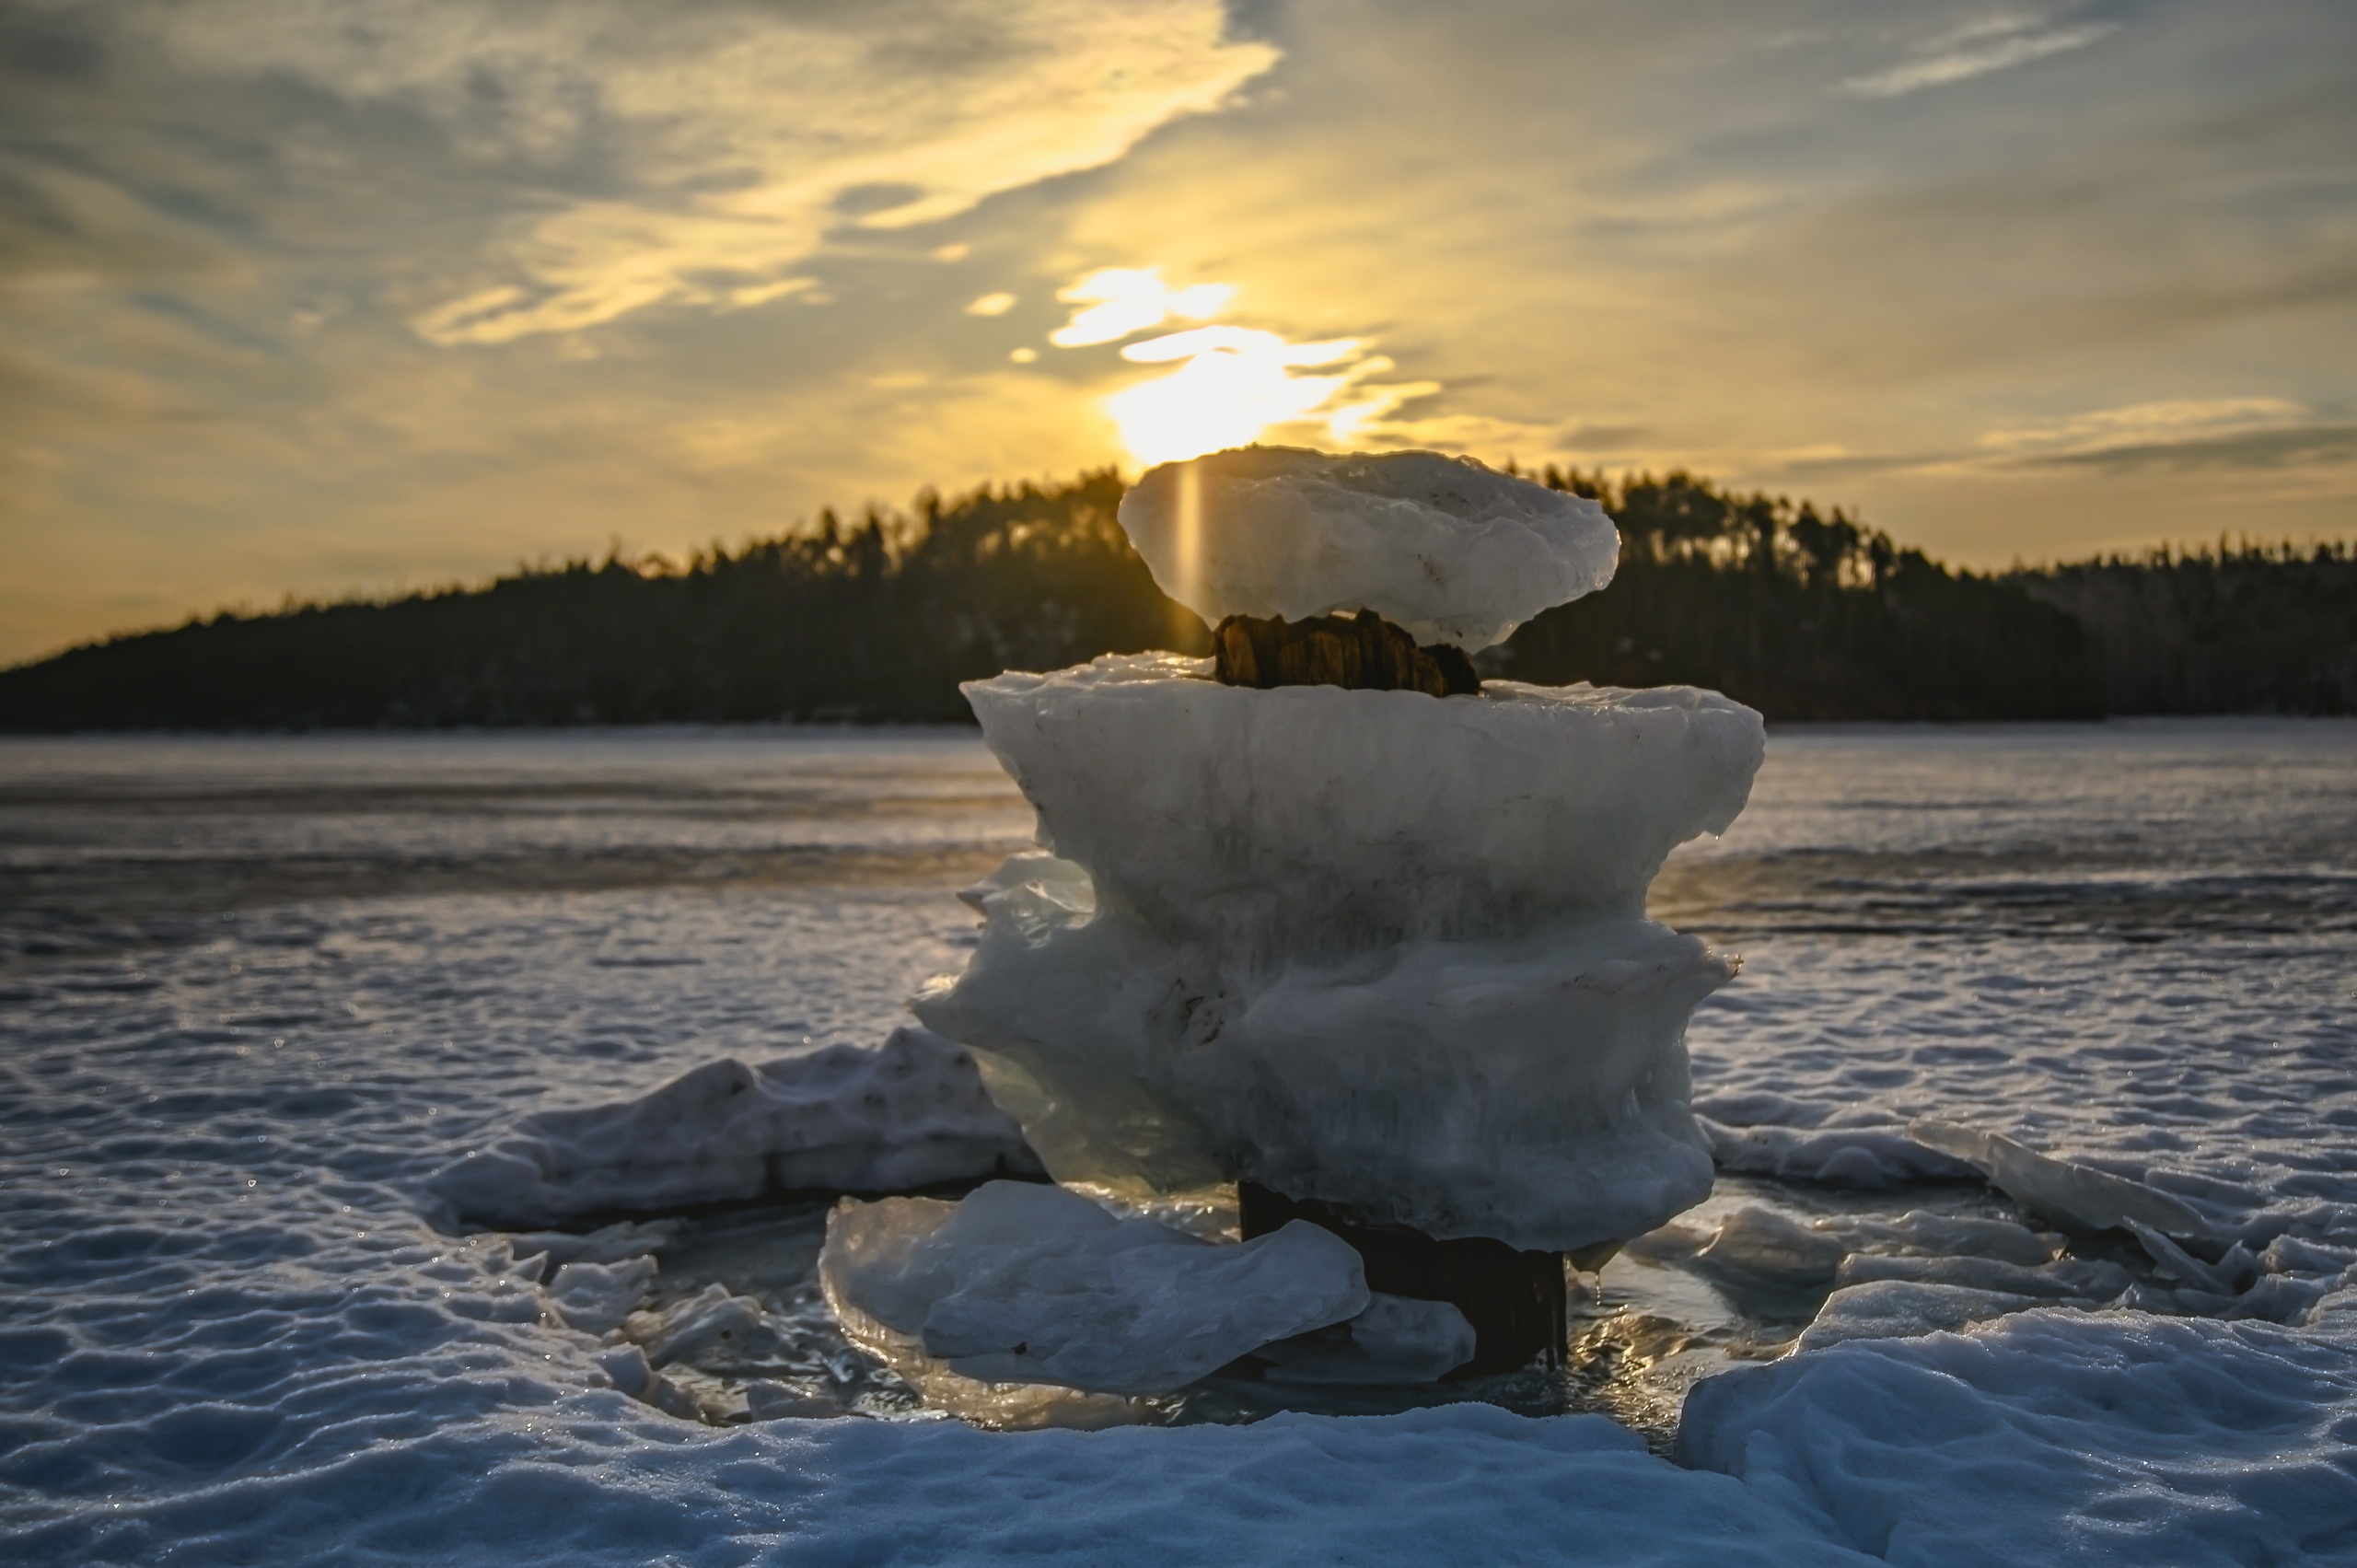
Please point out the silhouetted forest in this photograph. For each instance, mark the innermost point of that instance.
(1802, 615)
(2255, 628)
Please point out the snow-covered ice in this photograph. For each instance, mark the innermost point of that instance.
(1447, 549)
(839, 1118)
(2054, 1437)
(228, 1336)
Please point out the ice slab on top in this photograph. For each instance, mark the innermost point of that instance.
(840, 1118)
(1447, 549)
(1311, 817)
(1026, 1283)
(1531, 1088)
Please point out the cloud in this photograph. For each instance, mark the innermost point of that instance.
(1978, 49)
(728, 142)
(2219, 433)
(2176, 435)
(1118, 301)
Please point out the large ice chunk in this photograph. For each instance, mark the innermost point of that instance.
(1449, 550)
(1371, 947)
(1531, 1088)
(1028, 1283)
(1312, 818)
(837, 1118)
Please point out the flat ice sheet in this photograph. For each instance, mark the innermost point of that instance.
(227, 1337)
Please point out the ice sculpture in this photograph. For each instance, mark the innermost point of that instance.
(1380, 957)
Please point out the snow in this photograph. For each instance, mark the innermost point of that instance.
(1026, 1283)
(2059, 1438)
(1373, 948)
(255, 995)
(1447, 549)
(910, 1113)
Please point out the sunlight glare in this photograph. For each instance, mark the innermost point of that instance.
(1235, 383)
(1190, 532)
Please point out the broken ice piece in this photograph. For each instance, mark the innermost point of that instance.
(595, 1297)
(1446, 547)
(2063, 1189)
(714, 1326)
(1397, 1340)
(1028, 1283)
(836, 1117)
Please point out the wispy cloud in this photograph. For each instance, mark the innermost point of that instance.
(736, 140)
(1978, 49)
(2180, 433)
(2176, 435)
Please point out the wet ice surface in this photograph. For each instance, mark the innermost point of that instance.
(255, 990)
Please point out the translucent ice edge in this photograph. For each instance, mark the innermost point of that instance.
(1025, 1283)
(1445, 547)
(1532, 1090)
(842, 1118)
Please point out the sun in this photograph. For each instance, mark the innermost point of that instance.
(1231, 383)
(1228, 385)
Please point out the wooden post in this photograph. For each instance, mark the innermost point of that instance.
(1515, 1300)
(1362, 652)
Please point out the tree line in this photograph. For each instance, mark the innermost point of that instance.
(1802, 615)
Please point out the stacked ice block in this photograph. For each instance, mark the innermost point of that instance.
(1374, 950)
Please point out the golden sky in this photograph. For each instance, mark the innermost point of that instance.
(315, 295)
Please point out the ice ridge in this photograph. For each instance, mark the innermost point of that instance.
(840, 1118)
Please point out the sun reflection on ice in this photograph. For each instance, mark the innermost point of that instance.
(1231, 385)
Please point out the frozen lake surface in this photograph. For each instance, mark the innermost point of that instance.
(252, 990)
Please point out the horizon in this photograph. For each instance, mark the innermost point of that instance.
(656, 564)
(296, 309)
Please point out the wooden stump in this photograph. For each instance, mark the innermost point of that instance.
(1362, 652)
(1515, 1301)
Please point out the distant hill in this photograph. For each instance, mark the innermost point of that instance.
(1801, 615)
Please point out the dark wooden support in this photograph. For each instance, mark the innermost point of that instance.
(1515, 1301)
(1362, 652)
